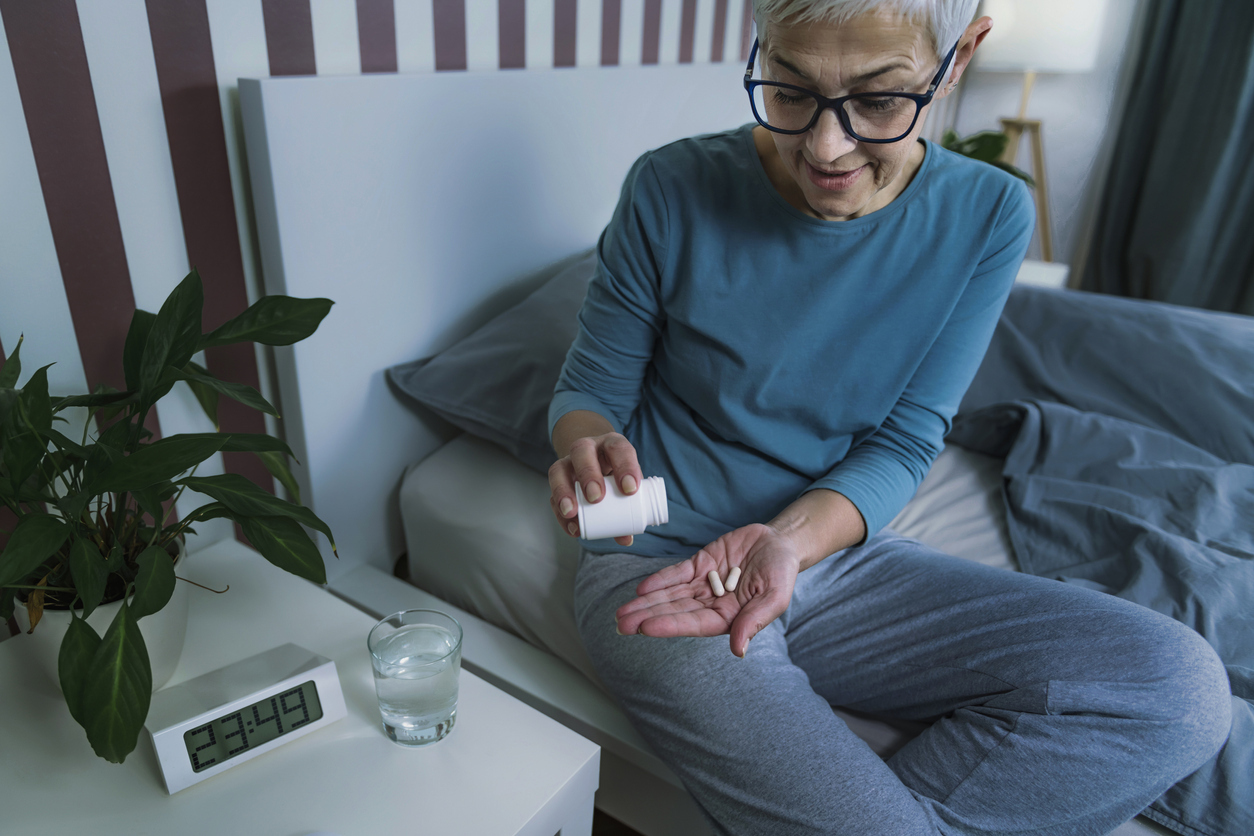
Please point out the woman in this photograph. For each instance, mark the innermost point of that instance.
(782, 323)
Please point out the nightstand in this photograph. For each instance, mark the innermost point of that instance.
(505, 769)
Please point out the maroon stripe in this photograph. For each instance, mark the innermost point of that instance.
(564, 32)
(376, 35)
(611, 27)
(652, 31)
(746, 30)
(449, 23)
(202, 179)
(720, 31)
(55, 86)
(687, 31)
(289, 35)
(512, 37)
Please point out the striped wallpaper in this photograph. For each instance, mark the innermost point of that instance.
(121, 159)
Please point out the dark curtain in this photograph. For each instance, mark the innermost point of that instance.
(1176, 221)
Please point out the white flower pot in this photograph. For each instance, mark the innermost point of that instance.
(163, 631)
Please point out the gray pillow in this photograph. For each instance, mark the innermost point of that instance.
(1187, 371)
(497, 382)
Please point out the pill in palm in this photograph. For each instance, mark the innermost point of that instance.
(733, 578)
(716, 583)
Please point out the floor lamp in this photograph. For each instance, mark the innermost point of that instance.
(1033, 37)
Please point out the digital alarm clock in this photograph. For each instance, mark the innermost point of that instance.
(207, 725)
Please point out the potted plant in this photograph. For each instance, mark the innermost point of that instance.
(92, 520)
(985, 146)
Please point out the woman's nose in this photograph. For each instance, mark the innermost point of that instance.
(827, 139)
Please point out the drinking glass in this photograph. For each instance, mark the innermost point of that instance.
(416, 655)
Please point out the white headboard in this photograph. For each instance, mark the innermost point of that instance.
(418, 203)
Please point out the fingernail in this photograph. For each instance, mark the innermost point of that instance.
(567, 507)
(573, 529)
(593, 491)
(629, 484)
(617, 629)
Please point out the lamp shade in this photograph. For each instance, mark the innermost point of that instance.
(1043, 36)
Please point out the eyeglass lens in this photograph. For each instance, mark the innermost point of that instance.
(871, 117)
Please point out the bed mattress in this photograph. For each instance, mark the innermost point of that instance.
(480, 536)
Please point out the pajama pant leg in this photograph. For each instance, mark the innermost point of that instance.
(1054, 709)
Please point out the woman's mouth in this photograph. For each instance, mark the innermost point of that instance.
(833, 181)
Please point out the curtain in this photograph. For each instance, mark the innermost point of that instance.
(1176, 219)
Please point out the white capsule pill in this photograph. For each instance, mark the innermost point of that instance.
(716, 583)
(733, 578)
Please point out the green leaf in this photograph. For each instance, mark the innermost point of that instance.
(35, 402)
(985, 146)
(6, 603)
(212, 511)
(208, 399)
(117, 689)
(35, 539)
(12, 367)
(133, 351)
(87, 567)
(152, 463)
(78, 647)
(276, 463)
(155, 582)
(66, 444)
(246, 395)
(22, 453)
(1017, 172)
(949, 139)
(173, 333)
(98, 399)
(284, 543)
(242, 497)
(272, 320)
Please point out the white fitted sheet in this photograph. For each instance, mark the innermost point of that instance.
(481, 537)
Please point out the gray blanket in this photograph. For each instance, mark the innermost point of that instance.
(1127, 430)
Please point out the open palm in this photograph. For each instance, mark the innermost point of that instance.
(678, 600)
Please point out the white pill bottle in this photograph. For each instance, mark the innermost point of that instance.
(619, 514)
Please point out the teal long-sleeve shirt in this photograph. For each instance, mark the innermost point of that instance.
(751, 352)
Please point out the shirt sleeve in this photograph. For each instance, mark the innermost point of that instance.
(882, 473)
(622, 314)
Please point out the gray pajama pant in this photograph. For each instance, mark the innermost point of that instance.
(1054, 709)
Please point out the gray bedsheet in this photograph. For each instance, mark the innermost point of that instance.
(1127, 430)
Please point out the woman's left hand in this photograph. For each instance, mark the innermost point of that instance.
(678, 600)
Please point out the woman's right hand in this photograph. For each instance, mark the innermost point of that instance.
(590, 461)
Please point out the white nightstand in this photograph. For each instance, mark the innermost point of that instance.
(505, 770)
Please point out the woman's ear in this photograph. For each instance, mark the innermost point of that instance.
(971, 38)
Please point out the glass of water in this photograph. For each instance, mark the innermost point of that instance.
(416, 655)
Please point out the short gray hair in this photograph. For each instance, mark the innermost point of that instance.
(945, 20)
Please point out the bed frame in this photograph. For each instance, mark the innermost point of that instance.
(423, 205)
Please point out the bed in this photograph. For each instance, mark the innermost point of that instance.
(450, 217)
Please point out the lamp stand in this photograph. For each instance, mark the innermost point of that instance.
(1014, 130)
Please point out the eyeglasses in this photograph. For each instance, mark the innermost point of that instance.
(867, 117)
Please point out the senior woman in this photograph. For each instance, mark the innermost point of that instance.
(783, 320)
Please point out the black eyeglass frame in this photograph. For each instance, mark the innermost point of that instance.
(920, 100)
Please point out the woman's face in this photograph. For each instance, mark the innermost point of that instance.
(838, 176)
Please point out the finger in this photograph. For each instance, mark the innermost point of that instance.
(680, 573)
(587, 466)
(630, 624)
(562, 495)
(753, 618)
(660, 596)
(621, 456)
(624, 541)
(700, 622)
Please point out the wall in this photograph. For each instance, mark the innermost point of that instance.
(1078, 114)
(121, 159)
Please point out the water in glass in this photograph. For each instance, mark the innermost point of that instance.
(415, 675)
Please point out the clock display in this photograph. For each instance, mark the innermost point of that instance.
(232, 734)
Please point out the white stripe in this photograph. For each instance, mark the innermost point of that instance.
(539, 34)
(588, 33)
(631, 35)
(30, 275)
(672, 12)
(731, 42)
(415, 36)
(704, 39)
(336, 48)
(483, 45)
